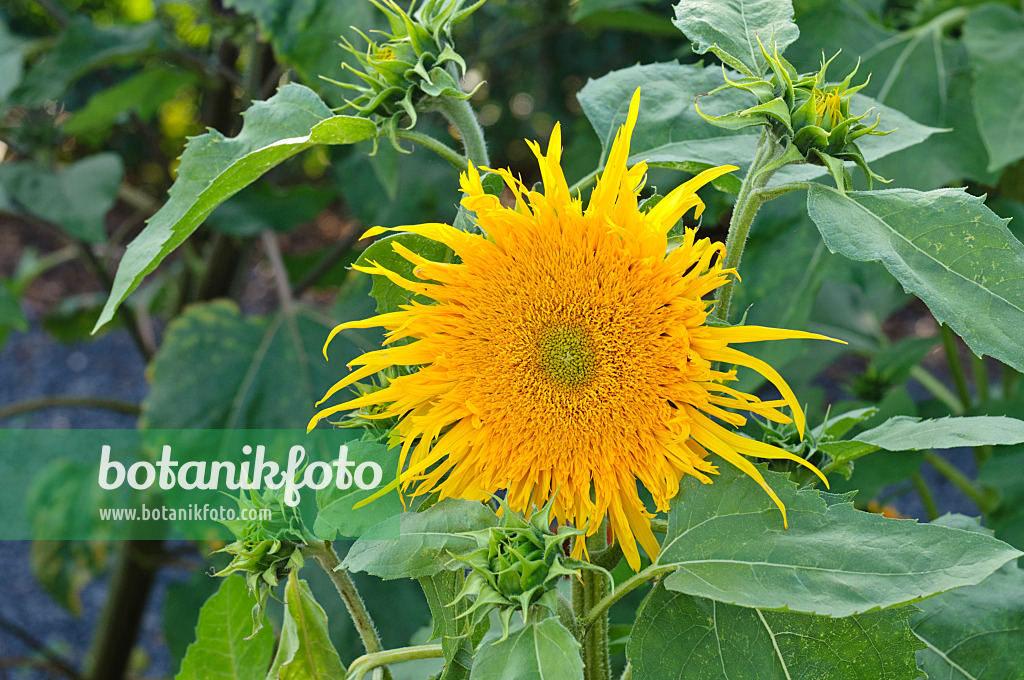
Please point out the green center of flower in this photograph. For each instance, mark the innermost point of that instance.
(565, 356)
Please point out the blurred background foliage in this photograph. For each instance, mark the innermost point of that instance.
(97, 99)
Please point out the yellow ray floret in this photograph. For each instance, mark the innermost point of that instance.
(565, 351)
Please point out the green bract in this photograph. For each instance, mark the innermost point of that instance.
(810, 119)
(516, 566)
(416, 60)
(266, 550)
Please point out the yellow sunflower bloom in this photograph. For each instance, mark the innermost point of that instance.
(567, 354)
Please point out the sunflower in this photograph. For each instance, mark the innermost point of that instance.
(567, 353)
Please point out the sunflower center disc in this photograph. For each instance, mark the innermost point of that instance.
(565, 356)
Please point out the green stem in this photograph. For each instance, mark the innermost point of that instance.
(927, 498)
(980, 377)
(938, 389)
(956, 368)
(588, 591)
(367, 663)
(659, 526)
(769, 193)
(440, 148)
(959, 480)
(461, 115)
(328, 559)
(629, 585)
(1009, 382)
(627, 673)
(748, 202)
(30, 405)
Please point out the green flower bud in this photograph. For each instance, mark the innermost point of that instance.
(266, 548)
(809, 119)
(415, 61)
(516, 567)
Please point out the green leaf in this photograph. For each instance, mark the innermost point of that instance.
(731, 29)
(142, 94)
(12, 59)
(994, 37)
(84, 46)
(213, 168)
(946, 247)
(904, 433)
(180, 613)
(256, 372)
(450, 627)
(425, 542)
(390, 296)
(537, 651)
(221, 650)
(974, 633)
(305, 651)
(692, 638)
(336, 517)
(75, 198)
(729, 544)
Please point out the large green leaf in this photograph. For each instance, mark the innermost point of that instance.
(922, 72)
(213, 168)
(974, 633)
(75, 198)
(223, 648)
(681, 637)
(732, 28)
(537, 651)
(994, 37)
(82, 47)
(219, 369)
(425, 541)
(305, 651)
(946, 247)
(729, 544)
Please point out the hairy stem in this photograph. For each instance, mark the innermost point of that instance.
(748, 202)
(461, 115)
(601, 608)
(328, 559)
(587, 592)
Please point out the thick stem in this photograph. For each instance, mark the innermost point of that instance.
(748, 202)
(460, 114)
(588, 591)
(938, 389)
(328, 559)
(128, 596)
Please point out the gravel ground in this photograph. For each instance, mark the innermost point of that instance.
(33, 365)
